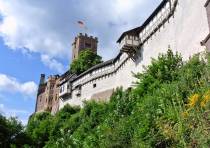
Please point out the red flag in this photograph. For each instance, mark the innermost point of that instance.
(81, 24)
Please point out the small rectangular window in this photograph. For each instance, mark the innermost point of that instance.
(94, 85)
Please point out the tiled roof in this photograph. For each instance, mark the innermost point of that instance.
(109, 62)
(134, 32)
(140, 28)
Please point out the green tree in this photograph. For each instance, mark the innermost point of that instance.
(60, 121)
(86, 60)
(12, 133)
(39, 127)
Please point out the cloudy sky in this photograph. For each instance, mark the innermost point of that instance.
(36, 37)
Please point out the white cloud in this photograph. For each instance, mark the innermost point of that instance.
(52, 63)
(21, 114)
(12, 85)
(48, 27)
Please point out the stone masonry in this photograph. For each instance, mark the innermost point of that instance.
(47, 96)
(83, 42)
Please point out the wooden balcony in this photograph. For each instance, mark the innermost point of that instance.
(65, 90)
(65, 93)
(130, 45)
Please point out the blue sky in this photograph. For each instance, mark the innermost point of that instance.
(36, 37)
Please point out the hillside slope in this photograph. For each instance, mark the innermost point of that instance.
(169, 107)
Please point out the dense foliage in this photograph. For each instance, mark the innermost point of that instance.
(169, 107)
(86, 60)
(12, 133)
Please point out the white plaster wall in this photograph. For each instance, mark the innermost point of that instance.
(183, 33)
(124, 75)
(102, 84)
(72, 101)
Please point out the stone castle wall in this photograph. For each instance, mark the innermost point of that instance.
(47, 97)
(183, 32)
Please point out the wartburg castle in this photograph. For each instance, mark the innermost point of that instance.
(182, 25)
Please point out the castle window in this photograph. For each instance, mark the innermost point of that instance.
(78, 95)
(87, 45)
(94, 85)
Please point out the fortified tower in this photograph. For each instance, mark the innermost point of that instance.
(82, 42)
(41, 90)
(47, 96)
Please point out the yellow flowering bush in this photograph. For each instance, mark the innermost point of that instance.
(193, 100)
(206, 99)
(197, 99)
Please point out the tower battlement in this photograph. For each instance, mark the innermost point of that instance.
(82, 42)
